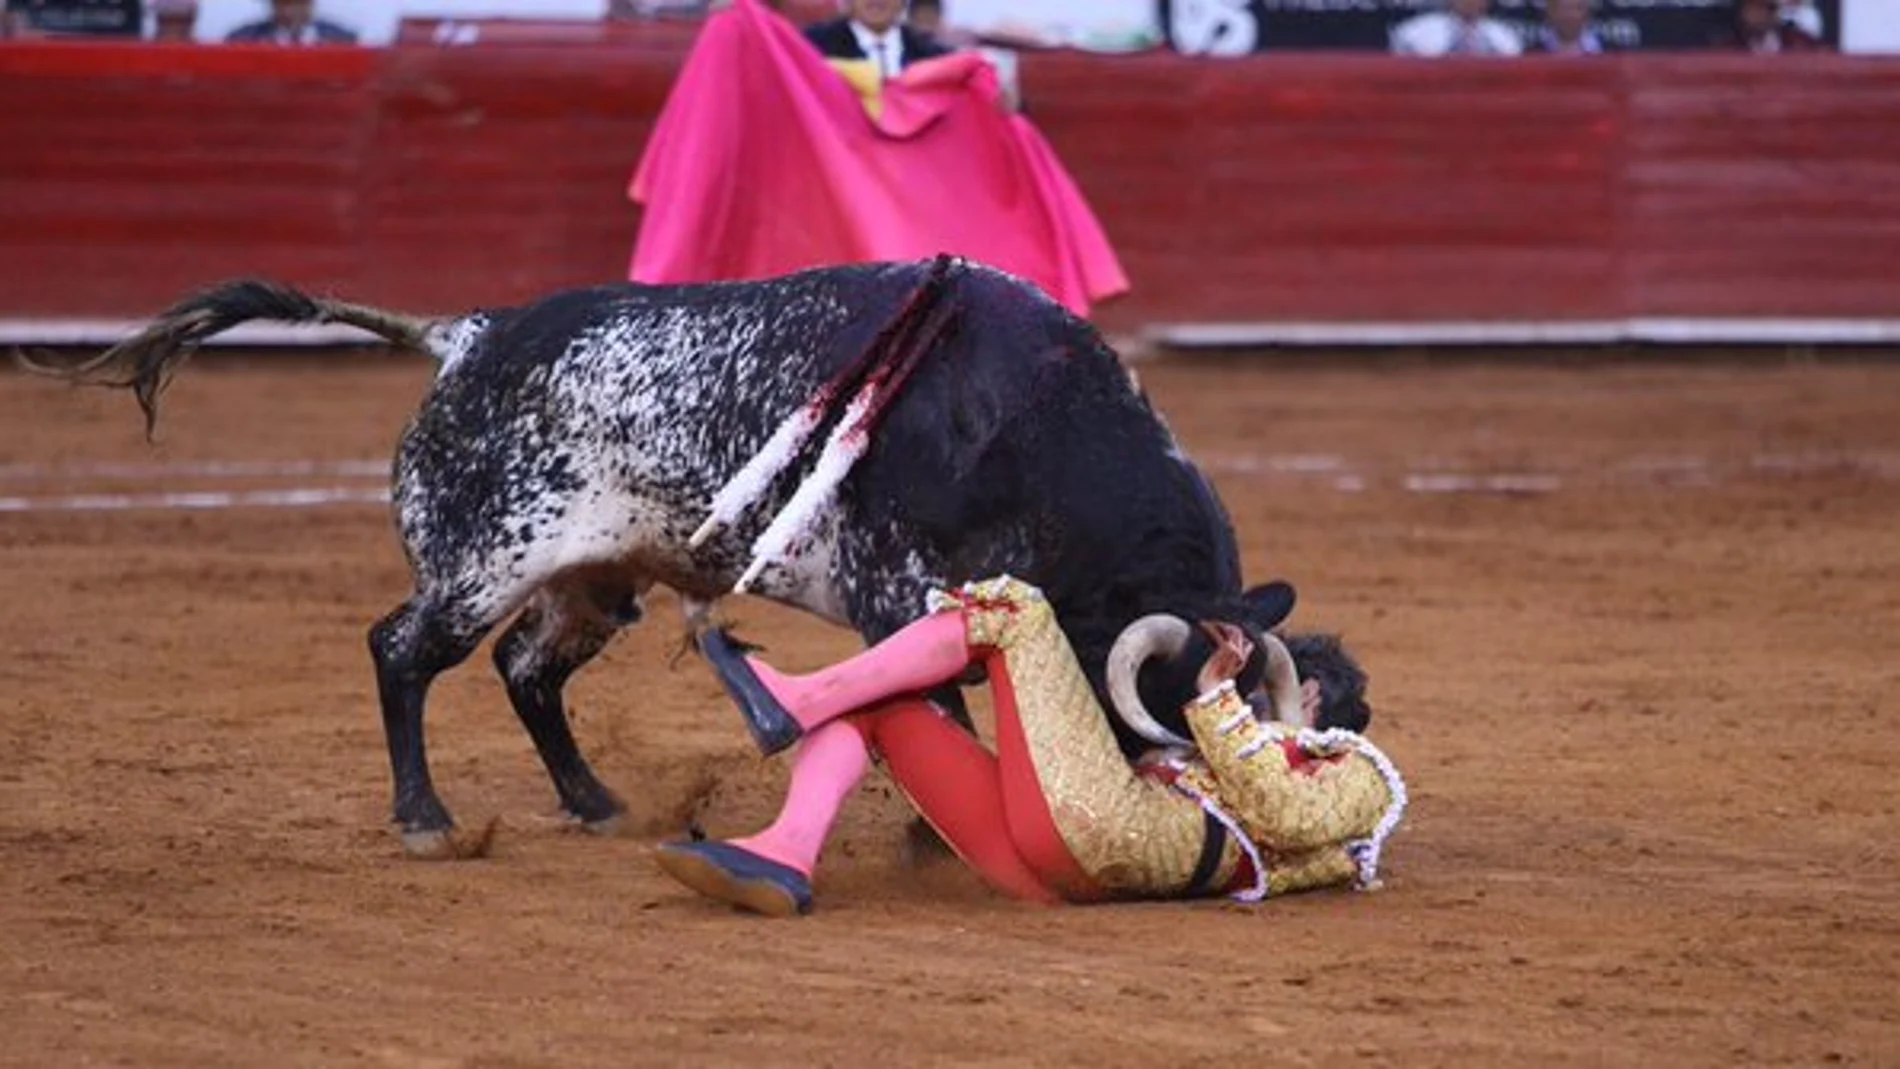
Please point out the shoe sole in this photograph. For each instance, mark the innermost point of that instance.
(759, 896)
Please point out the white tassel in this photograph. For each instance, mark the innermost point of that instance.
(745, 488)
(1366, 851)
(1330, 743)
(846, 444)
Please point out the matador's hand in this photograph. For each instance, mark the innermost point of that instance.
(1232, 647)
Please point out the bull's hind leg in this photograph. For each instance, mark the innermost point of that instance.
(412, 646)
(560, 630)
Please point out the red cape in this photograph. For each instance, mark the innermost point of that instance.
(765, 161)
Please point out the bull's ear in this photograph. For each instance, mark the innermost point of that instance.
(1270, 603)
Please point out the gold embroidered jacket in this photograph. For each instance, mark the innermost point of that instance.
(1292, 809)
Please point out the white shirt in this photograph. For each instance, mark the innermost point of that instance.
(305, 35)
(1803, 16)
(885, 49)
(1587, 45)
(1439, 33)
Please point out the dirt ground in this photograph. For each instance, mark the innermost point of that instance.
(1631, 631)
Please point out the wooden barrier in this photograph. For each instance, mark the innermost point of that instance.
(1339, 188)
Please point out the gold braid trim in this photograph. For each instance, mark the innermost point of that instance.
(1329, 866)
(1284, 809)
(1318, 825)
(1135, 837)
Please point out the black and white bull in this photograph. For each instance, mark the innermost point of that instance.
(567, 452)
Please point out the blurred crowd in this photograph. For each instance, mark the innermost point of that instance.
(1460, 27)
(1569, 28)
(282, 22)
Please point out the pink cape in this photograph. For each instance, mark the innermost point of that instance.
(764, 161)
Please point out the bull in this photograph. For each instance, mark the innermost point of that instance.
(563, 460)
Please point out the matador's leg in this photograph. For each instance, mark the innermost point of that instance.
(957, 787)
(780, 707)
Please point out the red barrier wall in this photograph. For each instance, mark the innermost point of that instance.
(1303, 187)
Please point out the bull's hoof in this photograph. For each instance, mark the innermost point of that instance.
(450, 844)
(597, 806)
(429, 845)
(605, 827)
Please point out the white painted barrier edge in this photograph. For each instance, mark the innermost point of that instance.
(1653, 330)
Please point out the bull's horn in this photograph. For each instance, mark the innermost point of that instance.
(1159, 635)
(1283, 682)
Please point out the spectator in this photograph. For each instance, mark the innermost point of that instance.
(649, 9)
(1759, 26)
(1464, 28)
(799, 11)
(926, 17)
(174, 20)
(1566, 30)
(1803, 15)
(292, 22)
(14, 23)
(870, 30)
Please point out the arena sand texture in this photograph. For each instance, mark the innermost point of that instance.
(1631, 630)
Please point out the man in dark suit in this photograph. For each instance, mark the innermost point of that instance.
(1566, 31)
(873, 30)
(1762, 26)
(292, 22)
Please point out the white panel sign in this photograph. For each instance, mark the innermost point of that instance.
(375, 20)
(1106, 25)
(1870, 25)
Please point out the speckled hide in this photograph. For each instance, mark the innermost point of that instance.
(588, 432)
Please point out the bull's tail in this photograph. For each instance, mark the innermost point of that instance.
(144, 363)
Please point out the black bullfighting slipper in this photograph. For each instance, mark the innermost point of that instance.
(773, 729)
(737, 876)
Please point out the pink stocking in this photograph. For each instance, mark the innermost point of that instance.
(830, 762)
(926, 653)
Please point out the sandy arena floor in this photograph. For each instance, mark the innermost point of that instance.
(1631, 630)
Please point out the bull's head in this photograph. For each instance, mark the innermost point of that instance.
(1305, 680)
